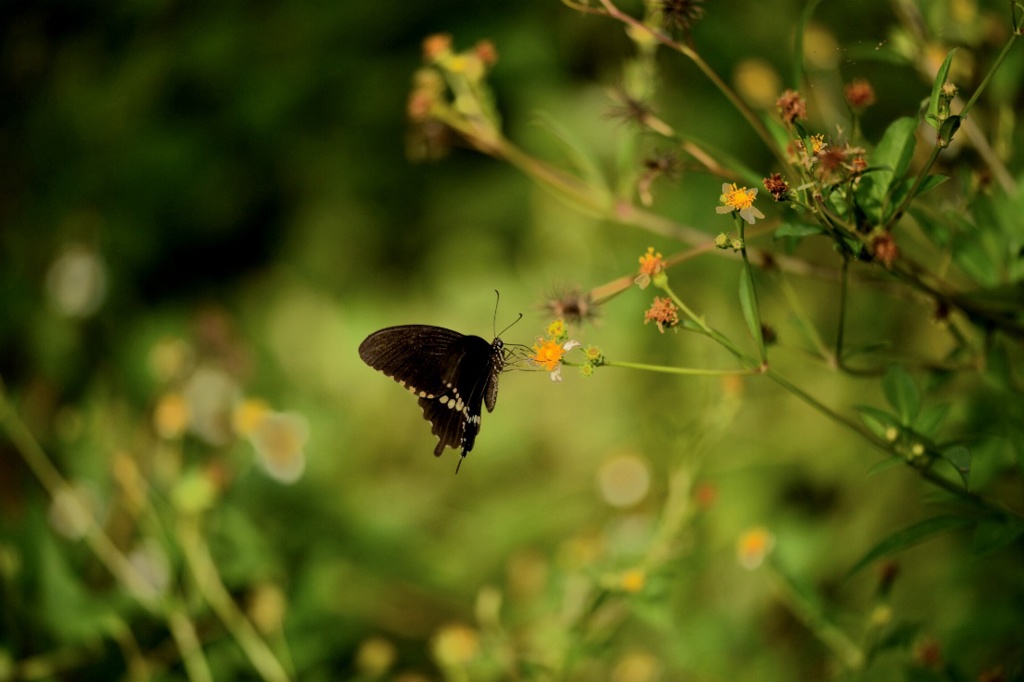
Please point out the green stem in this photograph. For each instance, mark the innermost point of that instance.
(756, 328)
(681, 370)
(705, 328)
(921, 174)
(207, 578)
(988, 76)
(187, 639)
(843, 293)
(752, 120)
(825, 409)
(54, 484)
(811, 616)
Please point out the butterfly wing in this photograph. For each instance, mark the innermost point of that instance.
(415, 355)
(451, 374)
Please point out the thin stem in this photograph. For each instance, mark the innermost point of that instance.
(207, 578)
(55, 485)
(752, 120)
(921, 174)
(187, 640)
(824, 409)
(707, 330)
(988, 76)
(682, 370)
(755, 309)
(843, 294)
(835, 639)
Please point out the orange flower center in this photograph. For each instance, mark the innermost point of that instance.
(547, 354)
(738, 198)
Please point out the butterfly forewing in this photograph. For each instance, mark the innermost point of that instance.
(415, 355)
(452, 374)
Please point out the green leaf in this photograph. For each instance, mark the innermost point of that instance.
(902, 188)
(748, 301)
(908, 537)
(960, 457)
(887, 463)
(948, 129)
(940, 79)
(995, 533)
(891, 156)
(797, 230)
(879, 421)
(902, 394)
(930, 418)
(579, 155)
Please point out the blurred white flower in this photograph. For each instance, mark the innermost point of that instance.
(73, 510)
(210, 395)
(77, 281)
(624, 480)
(279, 439)
(150, 561)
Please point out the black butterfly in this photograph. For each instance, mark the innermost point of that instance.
(451, 374)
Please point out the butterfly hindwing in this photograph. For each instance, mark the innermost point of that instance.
(452, 374)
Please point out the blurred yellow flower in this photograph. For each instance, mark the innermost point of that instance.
(636, 666)
(171, 416)
(455, 645)
(248, 415)
(267, 606)
(754, 546)
(633, 580)
(169, 359)
(375, 656)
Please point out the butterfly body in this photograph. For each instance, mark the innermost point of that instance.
(453, 375)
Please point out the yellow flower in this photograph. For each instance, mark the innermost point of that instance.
(455, 645)
(633, 580)
(740, 200)
(556, 329)
(754, 546)
(651, 263)
(548, 354)
(171, 416)
(247, 416)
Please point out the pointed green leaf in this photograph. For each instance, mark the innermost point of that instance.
(891, 156)
(879, 421)
(908, 537)
(748, 301)
(902, 393)
(940, 79)
(995, 533)
(930, 418)
(902, 188)
(960, 457)
(887, 463)
(578, 153)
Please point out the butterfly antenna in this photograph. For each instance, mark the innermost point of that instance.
(494, 320)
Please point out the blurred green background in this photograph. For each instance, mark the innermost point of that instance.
(212, 203)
